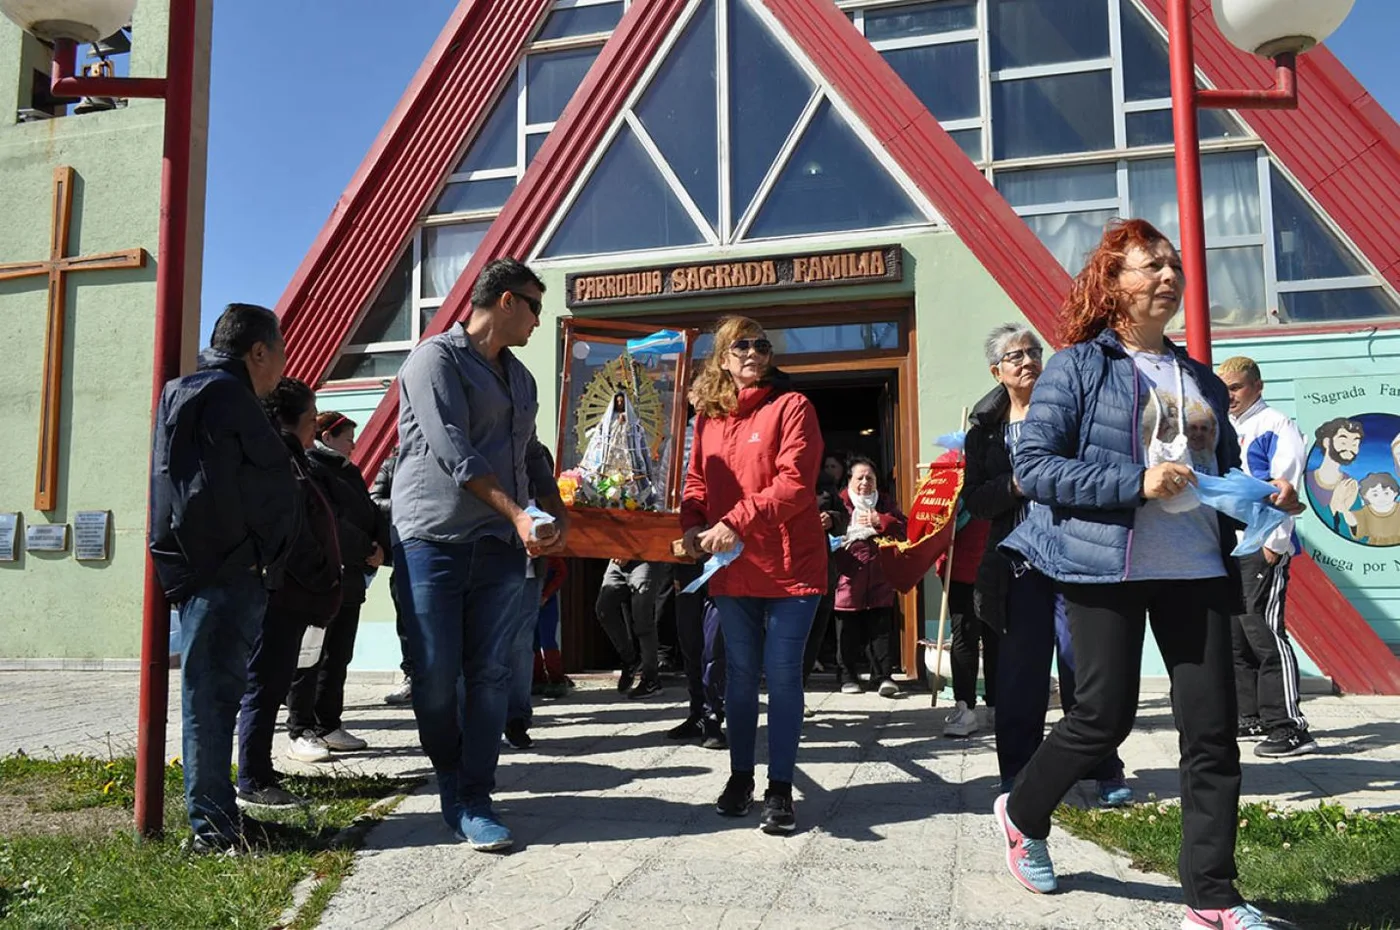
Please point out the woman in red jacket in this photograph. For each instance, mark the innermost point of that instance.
(752, 480)
(864, 599)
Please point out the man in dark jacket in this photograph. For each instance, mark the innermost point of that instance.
(222, 513)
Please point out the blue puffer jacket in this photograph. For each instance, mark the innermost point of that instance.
(1080, 455)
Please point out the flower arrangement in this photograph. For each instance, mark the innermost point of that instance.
(613, 490)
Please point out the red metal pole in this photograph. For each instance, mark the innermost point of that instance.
(64, 81)
(169, 330)
(1190, 210)
(1282, 96)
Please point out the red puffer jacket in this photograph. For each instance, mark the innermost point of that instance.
(862, 583)
(756, 470)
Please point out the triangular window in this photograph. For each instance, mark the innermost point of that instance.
(1305, 248)
(831, 182)
(626, 205)
(714, 147)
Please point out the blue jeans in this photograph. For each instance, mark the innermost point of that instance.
(522, 665)
(765, 636)
(218, 626)
(461, 607)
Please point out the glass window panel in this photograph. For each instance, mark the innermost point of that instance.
(390, 317)
(831, 183)
(446, 251)
(581, 21)
(1059, 185)
(551, 79)
(943, 77)
(368, 365)
(1357, 303)
(626, 205)
(920, 19)
(970, 141)
(808, 340)
(1236, 279)
(1070, 237)
(1043, 32)
(474, 195)
(678, 111)
(767, 93)
(1230, 194)
(495, 144)
(1052, 115)
(1304, 247)
(1154, 127)
(532, 145)
(1146, 68)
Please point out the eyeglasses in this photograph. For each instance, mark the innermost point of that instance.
(1017, 356)
(761, 346)
(534, 304)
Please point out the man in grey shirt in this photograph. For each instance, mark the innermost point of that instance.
(468, 455)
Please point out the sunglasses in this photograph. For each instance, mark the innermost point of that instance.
(534, 304)
(1018, 356)
(761, 346)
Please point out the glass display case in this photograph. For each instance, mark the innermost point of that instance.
(622, 428)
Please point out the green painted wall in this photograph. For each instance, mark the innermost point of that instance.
(56, 607)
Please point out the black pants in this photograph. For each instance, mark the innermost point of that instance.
(405, 663)
(1107, 625)
(816, 637)
(630, 604)
(271, 667)
(863, 634)
(968, 633)
(317, 696)
(1025, 653)
(1266, 668)
(706, 691)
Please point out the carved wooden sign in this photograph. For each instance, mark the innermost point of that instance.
(877, 264)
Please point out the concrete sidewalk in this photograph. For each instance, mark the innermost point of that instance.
(616, 826)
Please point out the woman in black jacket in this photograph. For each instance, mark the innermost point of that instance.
(835, 519)
(317, 697)
(1020, 607)
(309, 596)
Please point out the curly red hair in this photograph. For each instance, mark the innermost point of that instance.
(1093, 303)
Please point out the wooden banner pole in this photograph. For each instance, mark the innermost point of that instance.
(943, 604)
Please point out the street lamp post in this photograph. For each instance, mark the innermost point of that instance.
(65, 23)
(1276, 29)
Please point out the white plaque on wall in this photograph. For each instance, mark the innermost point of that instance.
(90, 535)
(46, 537)
(9, 537)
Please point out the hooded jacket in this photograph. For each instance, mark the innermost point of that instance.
(359, 521)
(861, 583)
(755, 470)
(223, 498)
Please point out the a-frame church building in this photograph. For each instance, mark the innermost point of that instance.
(982, 144)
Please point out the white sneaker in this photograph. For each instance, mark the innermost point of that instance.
(851, 687)
(342, 740)
(961, 722)
(309, 748)
(888, 688)
(401, 695)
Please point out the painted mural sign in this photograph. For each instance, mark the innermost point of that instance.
(1351, 483)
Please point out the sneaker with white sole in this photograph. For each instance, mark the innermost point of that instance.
(851, 687)
(342, 740)
(402, 695)
(961, 722)
(1240, 917)
(1028, 860)
(888, 688)
(273, 798)
(309, 748)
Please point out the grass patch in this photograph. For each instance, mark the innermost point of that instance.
(1322, 867)
(70, 859)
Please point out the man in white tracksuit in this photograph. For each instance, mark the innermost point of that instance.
(1266, 668)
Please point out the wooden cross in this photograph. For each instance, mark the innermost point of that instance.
(55, 268)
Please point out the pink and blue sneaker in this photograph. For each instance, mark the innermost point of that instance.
(1027, 859)
(1241, 917)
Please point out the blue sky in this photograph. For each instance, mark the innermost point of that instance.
(298, 97)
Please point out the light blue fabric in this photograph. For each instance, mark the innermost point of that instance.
(953, 442)
(713, 564)
(1246, 499)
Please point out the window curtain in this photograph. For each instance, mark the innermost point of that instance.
(1070, 237)
(1229, 187)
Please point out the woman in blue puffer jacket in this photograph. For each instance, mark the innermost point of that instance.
(1119, 426)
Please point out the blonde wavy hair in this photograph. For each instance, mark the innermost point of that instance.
(713, 393)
